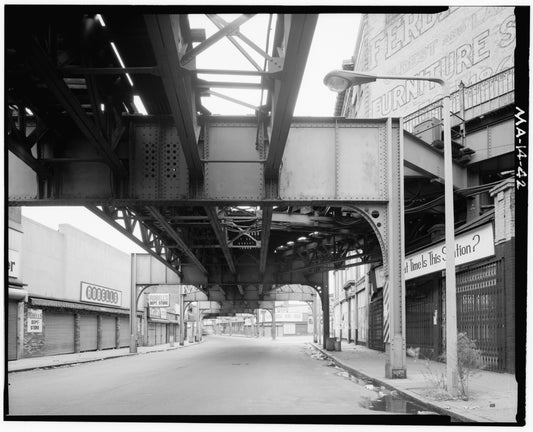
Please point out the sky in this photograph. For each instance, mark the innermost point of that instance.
(333, 41)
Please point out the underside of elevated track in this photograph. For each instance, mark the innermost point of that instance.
(237, 206)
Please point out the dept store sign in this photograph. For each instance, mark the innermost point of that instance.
(100, 295)
(470, 246)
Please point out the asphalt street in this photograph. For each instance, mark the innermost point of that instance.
(222, 376)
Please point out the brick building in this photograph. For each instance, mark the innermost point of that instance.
(472, 48)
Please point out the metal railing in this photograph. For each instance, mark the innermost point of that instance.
(487, 91)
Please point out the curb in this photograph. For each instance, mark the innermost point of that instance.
(403, 393)
(92, 360)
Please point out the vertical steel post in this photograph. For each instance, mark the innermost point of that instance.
(325, 312)
(451, 300)
(133, 305)
(394, 290)
(273, 320)
(182, 312)
(315, 318)
(198, 331)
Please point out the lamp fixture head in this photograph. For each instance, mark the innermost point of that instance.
(340, 80)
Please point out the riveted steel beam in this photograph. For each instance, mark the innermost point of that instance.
(227, 30)
(182, 246)
(266, 221)
(22, 151)
(176, 82)
(57, 86)
(221, 237)
(298, 44)
(150, 241)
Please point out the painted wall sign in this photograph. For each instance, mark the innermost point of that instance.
(469, 246)
(35, 321)
(92, 293)
(465, 44)
(13, 263)
(158, 300)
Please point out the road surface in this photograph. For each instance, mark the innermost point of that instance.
(221, 376)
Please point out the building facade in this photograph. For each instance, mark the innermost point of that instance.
(70, 292)
(472, 48)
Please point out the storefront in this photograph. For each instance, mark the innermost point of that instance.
(60, 327)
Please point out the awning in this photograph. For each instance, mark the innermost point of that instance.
(17, 294)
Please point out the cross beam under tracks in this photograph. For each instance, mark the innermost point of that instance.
(325, 159)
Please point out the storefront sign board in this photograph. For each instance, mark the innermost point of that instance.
(100, 295)
(159, 300)
(35, 321)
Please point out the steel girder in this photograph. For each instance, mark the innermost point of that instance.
(297, 45)
(177, 85)
(42, 63)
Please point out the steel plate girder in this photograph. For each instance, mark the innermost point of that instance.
(176, 81)
(297, 46)
(323, 162)
(427, 160)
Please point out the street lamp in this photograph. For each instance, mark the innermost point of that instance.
(341, 80)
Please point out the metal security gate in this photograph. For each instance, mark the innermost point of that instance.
(124, 331)
(481, 311)
(88, 332)
(58, 333)
(108, 332)
(375, 331)
(12, 331)
(423, 317)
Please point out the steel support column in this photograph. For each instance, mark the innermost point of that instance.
(182, 312)
(324, 294)
(133, 305)
(273, 312)
(315, 318)
(394, 290)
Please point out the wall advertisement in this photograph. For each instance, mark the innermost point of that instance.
(92, 293)
(465, 44)
(470, 246)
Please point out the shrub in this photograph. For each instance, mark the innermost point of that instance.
(469, 362)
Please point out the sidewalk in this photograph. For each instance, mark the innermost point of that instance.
(85, 357)
(493, 396)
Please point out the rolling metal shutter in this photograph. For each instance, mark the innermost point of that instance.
(151, 333)
(108, 332)
(12, 331)
(164, 333)
(88, 332)
(58, 332)
(157, 333)
(124, 331)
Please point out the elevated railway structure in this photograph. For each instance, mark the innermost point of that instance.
(237, 206)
